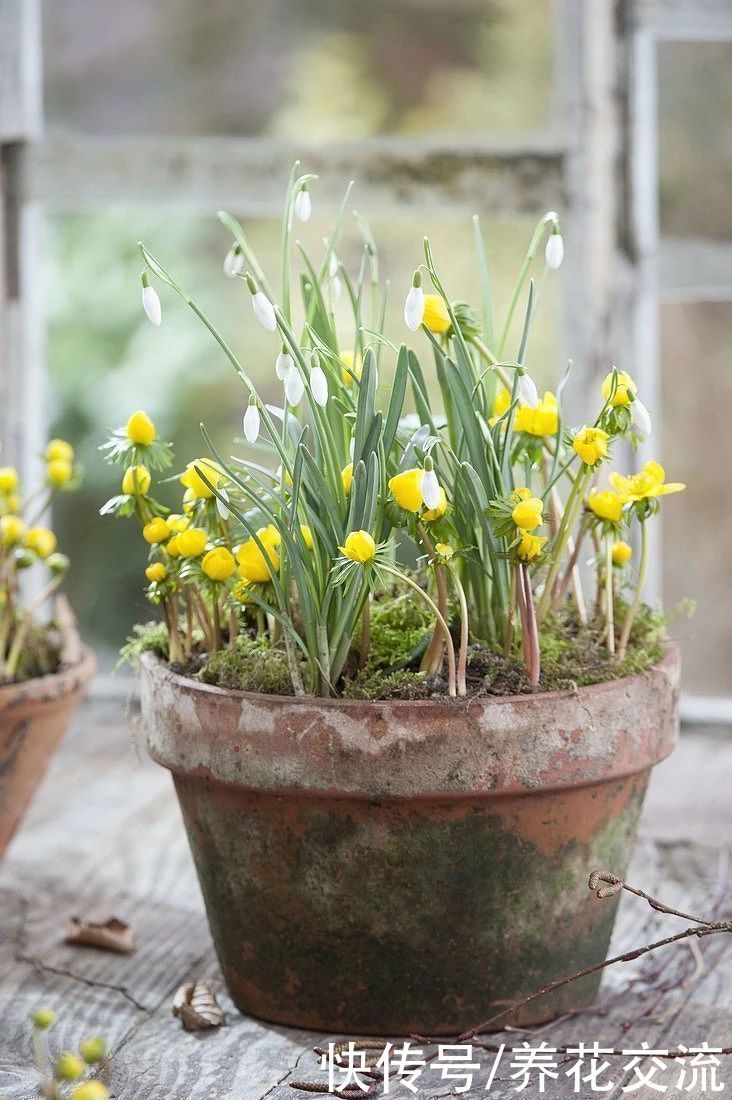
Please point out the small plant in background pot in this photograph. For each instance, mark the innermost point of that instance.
(416, 725)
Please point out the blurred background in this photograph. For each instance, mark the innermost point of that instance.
(331, 71)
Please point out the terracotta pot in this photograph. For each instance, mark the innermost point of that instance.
(33, 718)
(399, 867)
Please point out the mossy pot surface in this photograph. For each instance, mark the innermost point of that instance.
(396, 867)
(34, 715)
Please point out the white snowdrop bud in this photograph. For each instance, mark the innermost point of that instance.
(414, 305)
(337, 287)
(527, 391)
(319, 386)
(430, 486)
(233, 262)
(554, 251)
(641, 417)
(294, 386)
(221, 506)
(283, 363)
(251, 421)
(150, 301)
(263, 308)
(332, 265)
(303, 204)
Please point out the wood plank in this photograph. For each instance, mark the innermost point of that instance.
(20, 69)
(692, 269)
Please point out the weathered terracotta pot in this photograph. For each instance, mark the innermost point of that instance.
(33, 719)
(399, 867)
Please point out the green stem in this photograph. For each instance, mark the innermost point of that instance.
(451, 665)
(574, 501)
(609, 602)
(640, 584)
(462, 662)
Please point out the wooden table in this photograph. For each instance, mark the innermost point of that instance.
(104, 837)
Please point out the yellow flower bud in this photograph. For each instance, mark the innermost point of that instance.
(43, 1018)
(530, 546)
(41, 540)
(140, 429)
(69, 1066)
(605, 504)
(252, 562)
(436, 513)
(189, 500)
(195, 482)
(444, 550)
(92, 1050)
(528, 513)
(12, 502)
(12, 530)
(90, 1090)
(591, 445)
(8, 479)
(359, 546)
(177, 522)
(192, 542)
(219, 564)
(624, 392)
(307, 535)
(157, 530)
(501, 402)
(541, 421)
(355, 367)
(59, 449)
(435, 315)
(137, 481)
(269, 535)
(171, 547)
(406, 488)
(621, 552)
(347, 478)
(156, 572)
(58, 472)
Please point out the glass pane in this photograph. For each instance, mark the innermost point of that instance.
(324, 68)
(695, 102)
(697, 525)
(106, 360)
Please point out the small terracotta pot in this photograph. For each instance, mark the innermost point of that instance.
(33, 718)
(397, 867)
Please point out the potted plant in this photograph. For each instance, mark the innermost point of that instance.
(394, 779)
(43, 666)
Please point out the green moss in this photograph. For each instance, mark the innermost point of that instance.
(374, 684)
(252, 664)
(399, 626)
(145, 637)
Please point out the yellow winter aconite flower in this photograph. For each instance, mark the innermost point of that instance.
(436, 513)
(406, 488)
(541, 421)
(269, 535)
(253, 563)
(12, 530)
(354, 365)
(90, 1090)
(359, 546)
(59, 449)
(171, 547)
(444, 550)
(58, 472)
(191, 542)
(501, 403)
(307, 535)
(626, 389)
(347, 478)
(41, 540)
(648, 483)
(435, 315)
(194, 481)
(177, 522)
(530, 546)
(8, 479)
(621, 552)
(219, 564)
(528, 513)
(69, 1066)
(157, 530)
(156, 571)
(591, 445)
(189, 500)
(140, 429)
(606, 504)
(137, 479)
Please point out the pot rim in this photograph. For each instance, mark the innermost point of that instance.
(54, 685)
(158, 666)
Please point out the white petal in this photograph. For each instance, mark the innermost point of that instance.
(641, 417)
(233, 262)
(151, 305)
(527, 391)
(332, 265)
(264, 311)
(319, 386)
(294, 387)
(410, 422)
(283, 363)
(337, 289)
(221, 507)
(554, 251)
(251, 423)
(352, 447)
(303, 206)
(414, 308)
(430, 489)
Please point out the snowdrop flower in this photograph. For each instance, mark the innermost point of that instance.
(221, 506)
(303, 204)
(283, 364)
(251, 421)
(430, 486)
(554, 251)
(150, 301)
(414, 305)
(337, 288)
(641, 417)
(294, 386)
(233, 262)
(318, 382)
(263, 308)
(527, 391)
(333, 265)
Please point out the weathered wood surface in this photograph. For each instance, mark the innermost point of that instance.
(104, 837)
